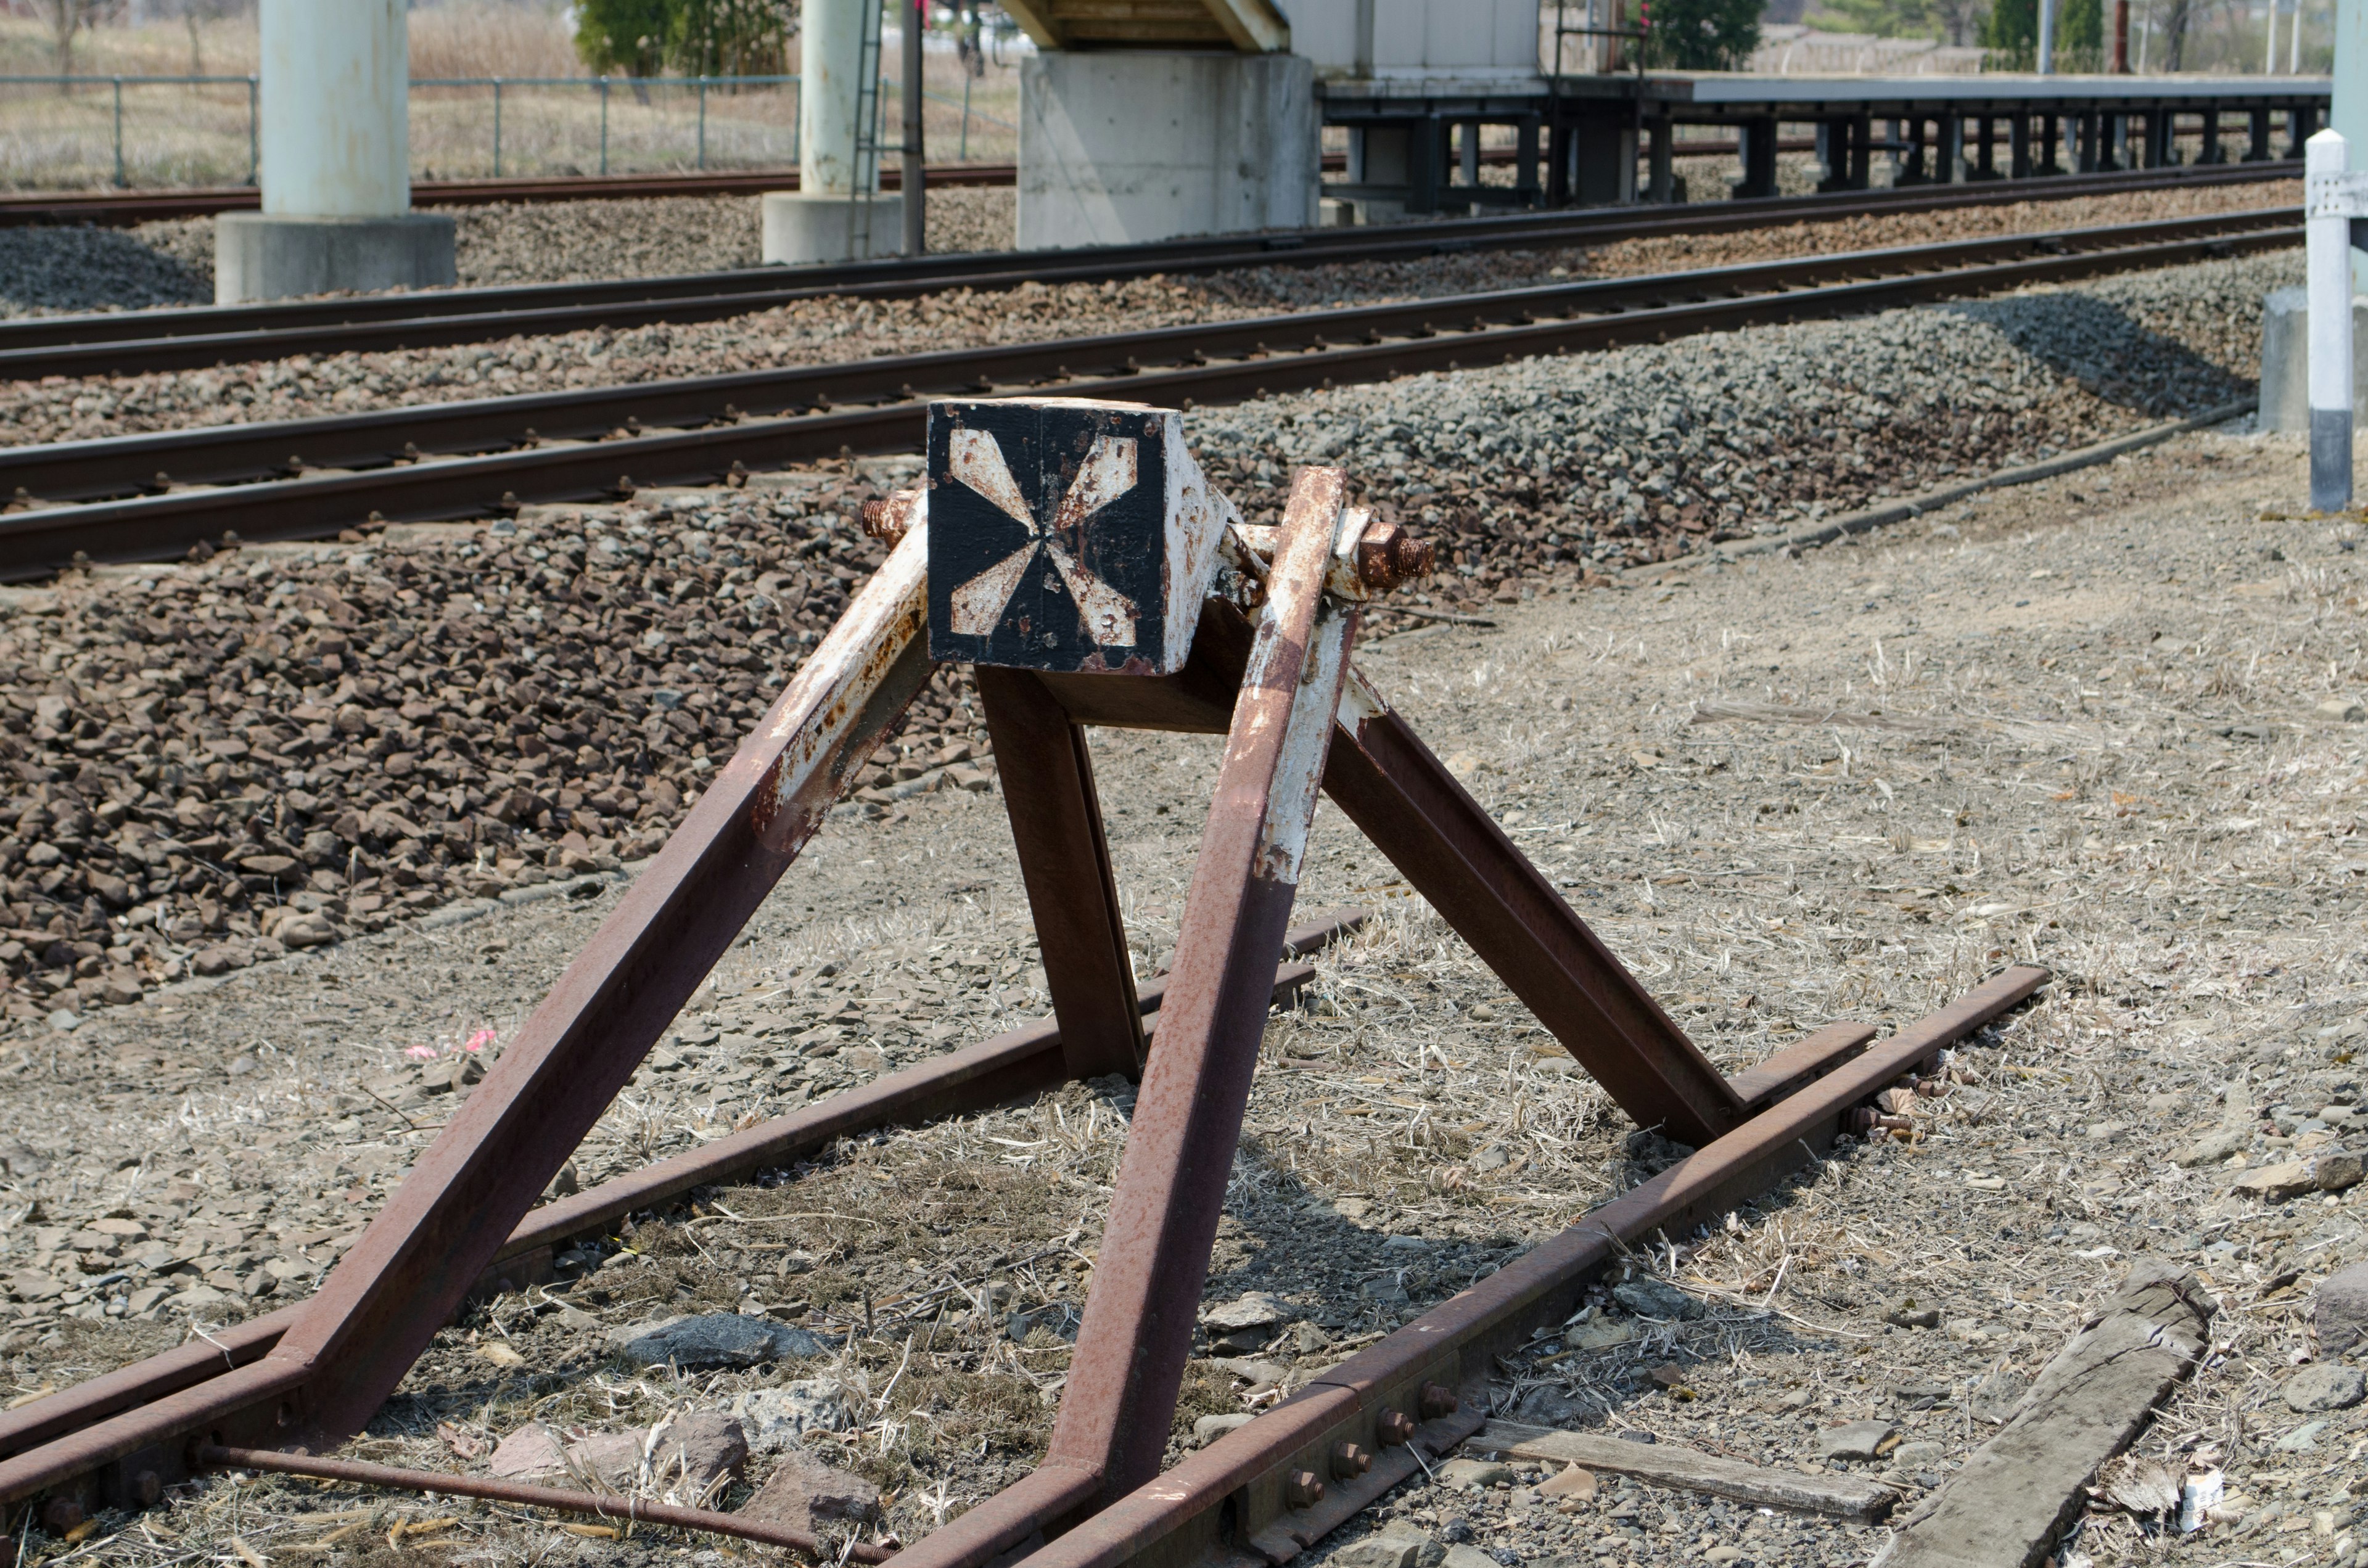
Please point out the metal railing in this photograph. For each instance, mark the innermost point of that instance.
(40, 148)
(66, 85)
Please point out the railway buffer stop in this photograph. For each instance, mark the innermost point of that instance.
(335, 161)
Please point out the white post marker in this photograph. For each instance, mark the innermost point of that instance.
(2047, 38)
(2335, 207)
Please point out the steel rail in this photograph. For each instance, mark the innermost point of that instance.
(1230, 1502)
(1010, 1065)
(130, 342)
(106, 467)
(122, 208)
(41, 539)
(600, 1504)
(126, 207)
(1449, 1348)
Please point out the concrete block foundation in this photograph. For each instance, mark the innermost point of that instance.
(1118, 146)
(798, 227)
(263, 256)
(2286, 358)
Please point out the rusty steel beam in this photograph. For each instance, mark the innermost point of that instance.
(989, 1073)
(352, 1342)
(383, 1303)
(600, 1504)
(1128, 1363)
(984, 1074)
(1231, 1502)
(1065, 863)
(1456, 855)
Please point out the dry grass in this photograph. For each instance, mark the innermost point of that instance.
(492, 39)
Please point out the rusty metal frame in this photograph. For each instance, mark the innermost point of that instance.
(1270, 669)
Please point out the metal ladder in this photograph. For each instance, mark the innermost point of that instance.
(868, 146)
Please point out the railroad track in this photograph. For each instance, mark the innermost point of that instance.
(122, 208)
(315, 477)
(132, 341)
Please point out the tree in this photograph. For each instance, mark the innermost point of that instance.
(67, 17)
(2174, 34)
(729, 38)
(623, 37)
(697, 38)
(1883, 18)
(2013, 30)
(1701, 35)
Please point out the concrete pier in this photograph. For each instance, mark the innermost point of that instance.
(837, 214)
(2286, 358)
(336, 148)
(1119, 146)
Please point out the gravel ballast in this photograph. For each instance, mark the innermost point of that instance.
(830, 330)
(340, 734)
(2084, 723)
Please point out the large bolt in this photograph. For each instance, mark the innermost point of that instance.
(1350, 1461)
(889, 519)
(146, 1487)
(1437, 1400)
(1300, 1489)
(60, 1515)
(1387, 555)
(1393, 1427)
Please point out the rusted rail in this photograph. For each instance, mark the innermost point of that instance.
(600, 1504)
(1230, 1503)
(1018, 1062)
(121, 209)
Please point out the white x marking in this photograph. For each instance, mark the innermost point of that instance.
(1109, 474)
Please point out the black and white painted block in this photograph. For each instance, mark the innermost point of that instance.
(1067, 535)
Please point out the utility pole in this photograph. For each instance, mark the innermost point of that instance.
(916, 228)
(2349, 113)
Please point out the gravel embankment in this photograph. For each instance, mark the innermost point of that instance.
(223, 760)
(1643, 453)
(345, 734)
(2082, 723)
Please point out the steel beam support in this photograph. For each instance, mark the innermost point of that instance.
(1015, 1063)
(1458, 858)
(383, 1301)
(1128, 1363)
(1227, 1501)
(1171, 1185)
(1065, 861)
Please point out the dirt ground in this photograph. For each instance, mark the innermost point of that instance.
(2078, 723)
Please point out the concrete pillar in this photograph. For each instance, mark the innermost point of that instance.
(1603, 159)
(1119, 145)
(336, 147)
(2286, 358)
(1383, 156)
(1756, 149)
(828, 218)
(2349, 118)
